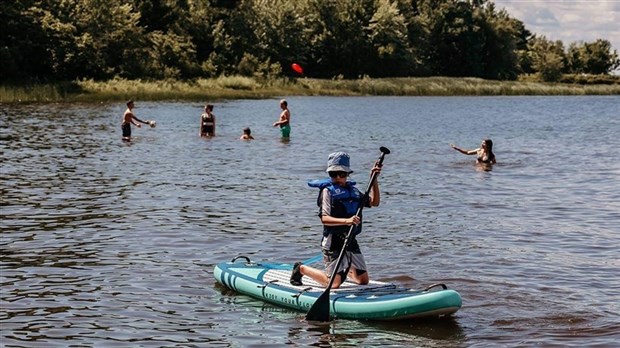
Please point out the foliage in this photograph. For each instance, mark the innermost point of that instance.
(63, 40)
(547, 57)
(388, 34)
(236, 87)
(589, 79)
(503, 38)
(593, 58)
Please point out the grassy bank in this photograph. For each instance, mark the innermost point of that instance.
(238, 87)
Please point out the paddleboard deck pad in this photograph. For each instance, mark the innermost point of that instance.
(375, 301)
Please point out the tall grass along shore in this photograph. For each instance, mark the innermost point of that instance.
(240, 87)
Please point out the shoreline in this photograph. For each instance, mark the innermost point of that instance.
(240, 87)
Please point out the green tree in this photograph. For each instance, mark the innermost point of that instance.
(172, 56)
(574, 58)
(502, 36)
(68, 39)
(202, 18)
(228, 37)
(112, 42)
(338, 39)
(161, 15)
(23, 42)
(592, 57)
(388, 34)
(87, 38)
(418, 34)
(456, 39)
(548, 58)
(279, 31)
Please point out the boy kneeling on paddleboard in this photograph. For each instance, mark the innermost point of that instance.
(338, 203)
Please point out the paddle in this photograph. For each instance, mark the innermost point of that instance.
(320, 309)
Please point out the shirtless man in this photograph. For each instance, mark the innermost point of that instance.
(128, 119)
(285, 118)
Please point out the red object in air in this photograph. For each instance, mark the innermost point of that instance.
(297, 68)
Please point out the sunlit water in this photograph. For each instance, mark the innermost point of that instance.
(105, 243)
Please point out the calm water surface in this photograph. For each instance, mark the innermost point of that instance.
(110, 244)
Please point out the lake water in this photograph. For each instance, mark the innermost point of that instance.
(110, 244)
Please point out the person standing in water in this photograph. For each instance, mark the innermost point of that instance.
(484, 152)
(207, 122)
(285, 119)
(128, 119)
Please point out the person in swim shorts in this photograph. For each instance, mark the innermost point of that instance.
(128, 119)
(285, 120)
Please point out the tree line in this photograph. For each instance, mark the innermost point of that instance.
(60, 40)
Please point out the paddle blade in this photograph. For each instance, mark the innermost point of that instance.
(320, 309)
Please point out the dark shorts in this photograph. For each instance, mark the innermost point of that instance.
(207, 129)
(126, 127)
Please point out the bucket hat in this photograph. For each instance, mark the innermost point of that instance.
(338, 162)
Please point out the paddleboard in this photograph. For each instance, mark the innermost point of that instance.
(375, 301)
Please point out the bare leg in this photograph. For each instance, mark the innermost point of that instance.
(320, 276)
(362, 279)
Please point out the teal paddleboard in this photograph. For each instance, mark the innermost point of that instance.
(375, 301)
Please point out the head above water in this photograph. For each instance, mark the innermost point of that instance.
(488, 144)
(130, 103)
(247, 131)
(209, 107)
(339, 162)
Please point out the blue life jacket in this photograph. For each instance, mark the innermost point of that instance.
(345, 202)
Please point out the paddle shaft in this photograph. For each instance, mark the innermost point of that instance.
(320, 309)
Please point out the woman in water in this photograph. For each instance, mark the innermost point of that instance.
(484, 152)
(207, 122)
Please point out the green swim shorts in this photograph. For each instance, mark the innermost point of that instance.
(286, 131)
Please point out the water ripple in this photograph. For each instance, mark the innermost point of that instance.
(105, 243)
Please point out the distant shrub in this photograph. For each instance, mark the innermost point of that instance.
(589, 79)
(237, 82)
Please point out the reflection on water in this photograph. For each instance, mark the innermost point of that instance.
(484, 167)
(106, 243)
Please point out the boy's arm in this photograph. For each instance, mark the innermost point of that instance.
(134, 117)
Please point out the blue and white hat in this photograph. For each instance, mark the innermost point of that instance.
(338, 162)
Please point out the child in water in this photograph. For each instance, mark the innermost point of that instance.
(247, 134)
